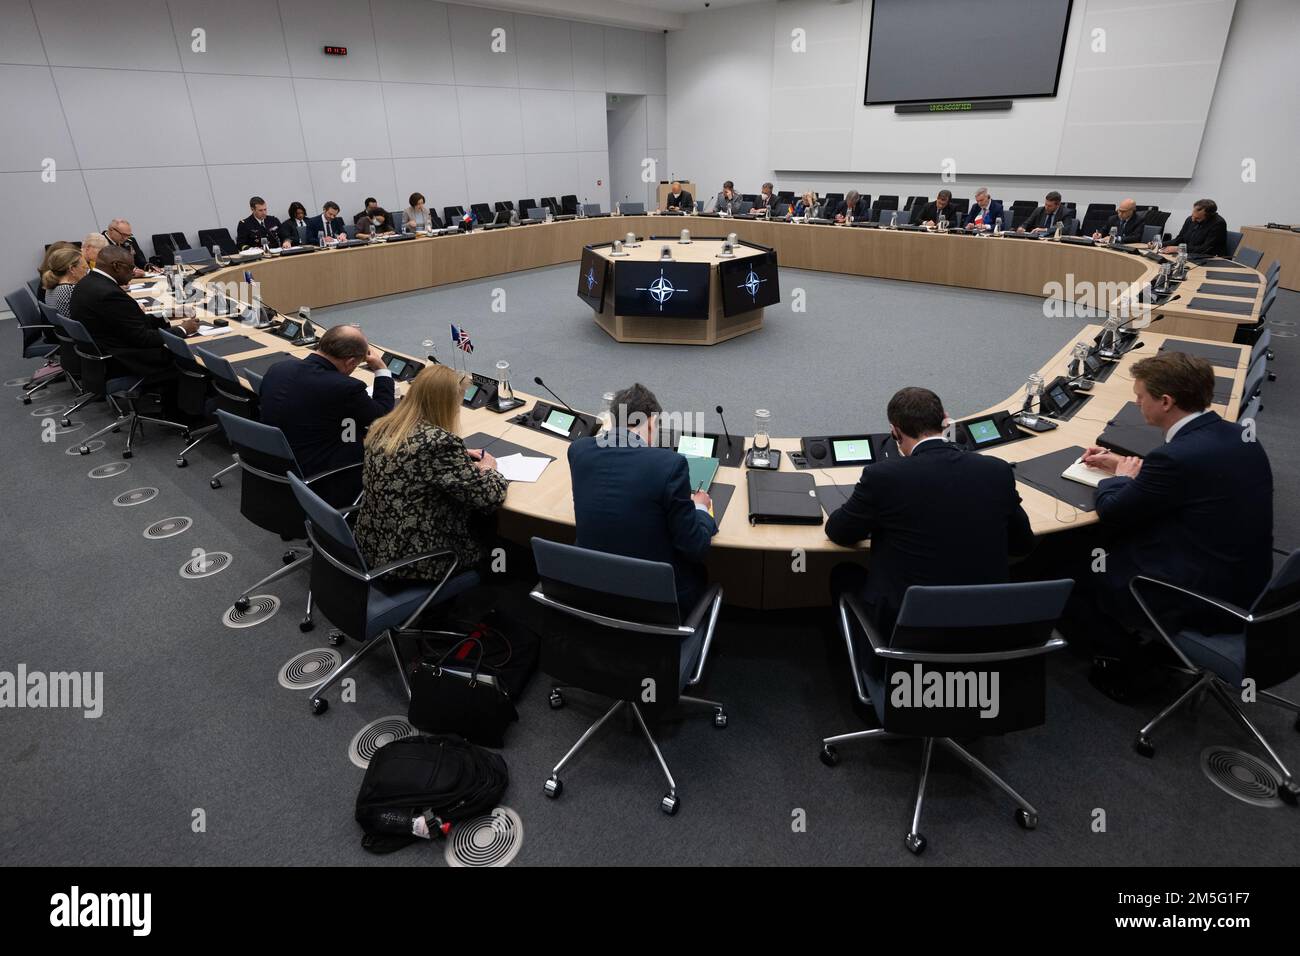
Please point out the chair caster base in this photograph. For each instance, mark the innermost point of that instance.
(1144, 746)
(829, 756)
(306, 624)
(319, 705)
(553, 787)
(1289, 792)
(83, 450)
(669, 804)
(289, 557)
(27, 399)
(916, 843)
(242, 604)
(335, 638)
(181, 462)
(65, 422)
(215, 483)
(127, 454)
(556, 700)
(720, 719)
(1026, 820)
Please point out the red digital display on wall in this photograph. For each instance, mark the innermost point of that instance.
(336, 50)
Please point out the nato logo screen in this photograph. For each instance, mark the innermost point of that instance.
(749, 283)
(591, 279)
(677, 290)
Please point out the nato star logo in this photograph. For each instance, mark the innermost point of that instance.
(752, 284)
(661, 289)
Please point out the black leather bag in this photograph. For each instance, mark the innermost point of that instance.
(455, 695)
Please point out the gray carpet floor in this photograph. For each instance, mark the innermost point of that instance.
(194, 718)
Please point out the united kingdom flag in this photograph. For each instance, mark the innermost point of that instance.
(460, 338)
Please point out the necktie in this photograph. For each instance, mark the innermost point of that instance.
(1050, 217)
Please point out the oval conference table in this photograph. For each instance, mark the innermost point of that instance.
(769, 565)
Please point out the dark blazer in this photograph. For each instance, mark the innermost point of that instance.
(310, 401)
(685, 202)
(1130, 231)
(1206, 238)
(940, 516)
(932, 212)
(141, 262)
(634, 500)
(1199, 514)
(860, 209)
(291, 231)
(1038, 219)
(250, 232)
(995, 212)
(316, 226)
(120, 327)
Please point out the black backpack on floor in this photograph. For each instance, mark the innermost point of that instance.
(426, 784)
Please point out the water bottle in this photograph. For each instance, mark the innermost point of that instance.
(1060, 226)
(582, 208)
(505, 394)
(266, 246)
(1114, 235)
(997, 226)
(943, 223)
(762, 433)
(217, 257)
(606, 415)
(893, 221)
(618, 209)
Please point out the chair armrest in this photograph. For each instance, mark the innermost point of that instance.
(712, 603)
(701, 607)
(864, 620)
(403, 562)
(973, 657)
(332, 472)
(1224, 606)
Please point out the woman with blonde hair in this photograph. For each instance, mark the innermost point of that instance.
(422, 486)
(50, 250)
(62, 269)
(91, 246)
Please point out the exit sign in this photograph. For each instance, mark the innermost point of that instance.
(336, 51)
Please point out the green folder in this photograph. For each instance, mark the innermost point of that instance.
(702, 472)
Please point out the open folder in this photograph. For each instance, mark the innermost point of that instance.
(703, 471)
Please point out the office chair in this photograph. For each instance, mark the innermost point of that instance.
(482, 211)
(1234, 240)
(233, 397)
(102, 379)
(786, 196)
(1251, 410)
(504, 205)
(452, 214)
(616, 624)
(1272, 273)
(69, 362)
(365, 603)
(568, 205)
(551, 203)
(219, 238)
(1254, 387)
(192, 391)
(960, 205)
(887, 202)
(32, 327)
(167, 244)
(961, 633)
(1150, 232)
(831, 200)
(525, 205)
(1222, 646)
(1245, 255)
(914, 201)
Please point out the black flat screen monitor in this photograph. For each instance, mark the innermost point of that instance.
(591, 279)
(670, 290)
(749, 283)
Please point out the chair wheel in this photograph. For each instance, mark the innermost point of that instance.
(65, 422)
(553, 787)
(720, 719)
(556, 699)
(215, 483)
(306, 624)
(127, 454)
(27, 399)
(1144, 746)
(335, 638)
(83, 450)
(242, 604)
(830, 756)
(916, 843)
(669, 804)
(1026, 820)
(1289, 792)
(289, 557)
(185, 436)
(319, 705)
(181, 462)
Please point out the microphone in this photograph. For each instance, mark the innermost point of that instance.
(567, 408)
(725, 430)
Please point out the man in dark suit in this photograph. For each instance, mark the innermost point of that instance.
(941, 208)
(851, 203)
(324, 412)
(938, 515)
(985, 212)
(117, 323)
(1045, 217)
(259, 226)
(632, 497)
(1204, 231)
(679, 198)
(119, 233)
(327, 224)
(1197, 512)
(1128, 225)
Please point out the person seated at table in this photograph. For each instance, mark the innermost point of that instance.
(1197, 513)
(295, 229)
(984, 213)
(766, 200)
(938, 515)
(258, 226)
(423, 489)
(1044, 219)
(324, 410)
(852, 205)
(326, 226)
(727, 200)
(1204, 231)
(92, 246)
(50, 250)
(679, 198)
(119, 233)
(807, 204)
(634, 498)
(941, 208)
(417, 217)
(62, 269)
(371, 205)
(377, 222)
(1128, 225)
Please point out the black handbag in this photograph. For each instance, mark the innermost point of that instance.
(454, 695)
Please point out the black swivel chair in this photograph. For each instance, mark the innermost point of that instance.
(1150, 232)
(193, 389)
(525, 205)
(1095, 217)
(167, 244)
(965, 634)
(69, 362)
(233, 397)
(568, 205)
(220, 238)
(364, 603)
(960, 205)
(452, 214)
(36, 343)
(504, 205)
(551, 203)
(1222, 646)
(616, 624)
(1234, 240)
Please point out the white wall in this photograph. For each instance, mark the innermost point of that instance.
(773, 112)
(140, 125)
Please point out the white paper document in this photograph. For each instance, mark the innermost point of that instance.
(522, 467)
(214, 330)
(1085, 474)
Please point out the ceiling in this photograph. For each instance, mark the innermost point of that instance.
(638, 15)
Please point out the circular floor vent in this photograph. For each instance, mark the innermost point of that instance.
(1241, 775)
(136, 496)
(110, 470)
(261, 608)
(206, 565)
(48, 410)
(168, 528)
(485, 841)
(374, 735)
(309, 668)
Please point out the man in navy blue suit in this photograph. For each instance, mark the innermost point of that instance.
(327, 224)
(633, 498)
(1197, 512)
(324, 412)
(984, 212)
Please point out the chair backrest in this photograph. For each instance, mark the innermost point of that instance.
(982, 647)
(164, 247)
(35, 286)
(69, 360)
(220, 238)
(525, 205)
(22, 303)
(192, 384)
(452, 214)
(1234, 240)
(914, 201)
(887, 202)
(1254, 385)
(1250, 410)
(1099, 210)
(1273, 643)
(95, 362)
(628, 592)
(569, 205)
(551, 203)
(265, 462)
(179, 240)
(232, 395)
(962, 205)
(1244, 254)
(1150, 232)
(786, 196)
(254, 380)
(482, 211)
(338, 568)
(503, 205)
(1267, 305)
(831, 200)
(1272, 271)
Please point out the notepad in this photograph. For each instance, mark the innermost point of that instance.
(702, 472)
(519, 467)
(1086, 474)
(213, 329)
